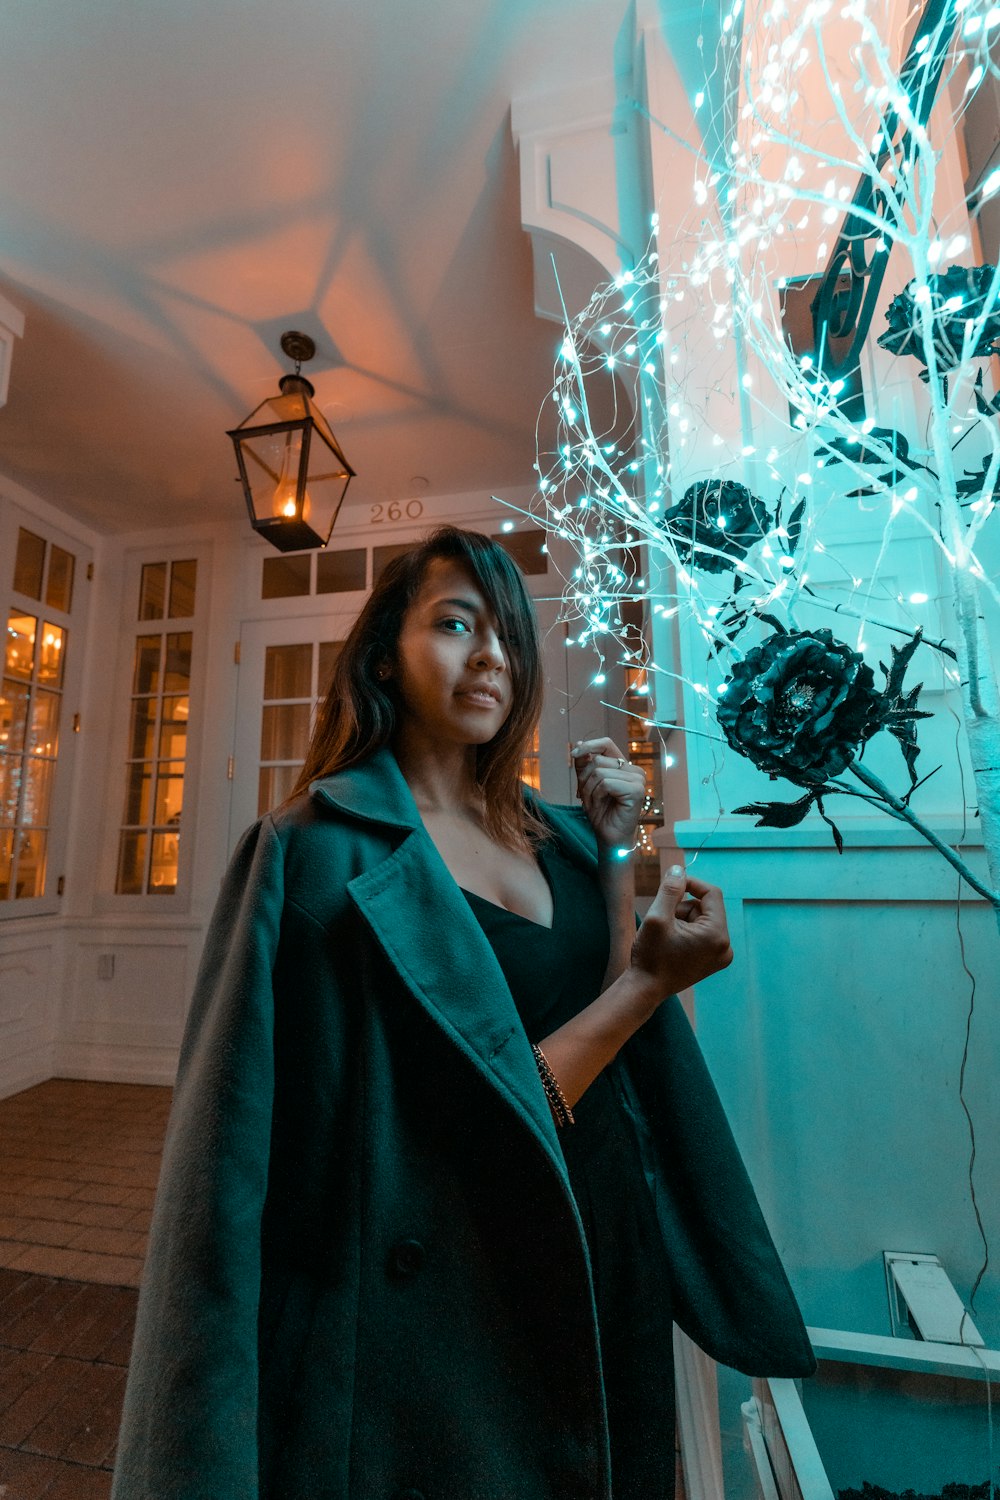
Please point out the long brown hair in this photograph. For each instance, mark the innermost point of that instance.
(360, 710)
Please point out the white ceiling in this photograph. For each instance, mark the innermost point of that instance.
(181, 180)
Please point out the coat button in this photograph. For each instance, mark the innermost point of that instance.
(406, 1259)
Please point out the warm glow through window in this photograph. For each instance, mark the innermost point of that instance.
(31, 693)
(156, 751)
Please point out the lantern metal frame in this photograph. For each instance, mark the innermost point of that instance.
(292, 533)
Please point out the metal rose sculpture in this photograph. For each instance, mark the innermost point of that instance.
(799, 705)
(954, 299)
(715, 524)
(802, 705)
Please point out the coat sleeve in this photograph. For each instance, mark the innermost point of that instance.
(189, 1427)
(731, 1294)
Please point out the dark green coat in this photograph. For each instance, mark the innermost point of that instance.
(367, 1276)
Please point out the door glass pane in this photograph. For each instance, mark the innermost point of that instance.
(284, 733)
(13, 714)
(59, 587)
(137, 784)
(526, 547)
(163, 865)
(30, 873)
(20, 657)
(275, 785)
(173, 729)
(341, 572)
(10, 781)
(146, 678)
(38, 775)
(285, 577)
(288, 671)
(329, 651)
(152, 591)
(143, 727)
(6, 861)
(385, 554)
(50, 661)
(177, 674)
(28, 564)
(169, 792)
(43, 738)
(183, 577)
(131, 864)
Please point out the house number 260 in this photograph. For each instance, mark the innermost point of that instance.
(396, 510)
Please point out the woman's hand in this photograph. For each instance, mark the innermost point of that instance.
(612, 791)
(682, 941)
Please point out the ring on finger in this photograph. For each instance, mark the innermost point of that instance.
(621, 761)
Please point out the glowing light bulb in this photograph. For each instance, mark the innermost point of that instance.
(284, 501)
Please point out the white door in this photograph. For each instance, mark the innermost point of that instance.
(285, 667)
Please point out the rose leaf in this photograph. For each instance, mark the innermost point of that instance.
(778, 814)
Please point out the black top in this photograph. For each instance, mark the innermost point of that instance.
(553, 973)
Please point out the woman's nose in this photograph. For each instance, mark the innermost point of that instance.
(489, 652)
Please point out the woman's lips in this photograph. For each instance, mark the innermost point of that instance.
(481, 698)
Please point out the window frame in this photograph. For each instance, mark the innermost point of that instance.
(107, 898)
(14, 517)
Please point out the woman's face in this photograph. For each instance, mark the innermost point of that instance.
(452, 670)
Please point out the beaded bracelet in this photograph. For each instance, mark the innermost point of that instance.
(553, 1093)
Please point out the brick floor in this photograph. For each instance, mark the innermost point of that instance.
(64, 1349)
(78, 1166)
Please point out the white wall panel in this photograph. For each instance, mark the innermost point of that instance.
(126, 1001)
(28, 966)
(835, 1040)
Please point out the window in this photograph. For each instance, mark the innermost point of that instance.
(530, 765)
(31, 694)
(296, 677)
(341, 570)
(156, 754)
(527, 548)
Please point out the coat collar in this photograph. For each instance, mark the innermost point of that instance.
(426, 928)
(374, 790)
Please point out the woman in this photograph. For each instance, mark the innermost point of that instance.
(399, 1251)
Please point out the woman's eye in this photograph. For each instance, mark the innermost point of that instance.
(452, 621)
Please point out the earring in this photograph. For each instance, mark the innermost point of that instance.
(382, 673)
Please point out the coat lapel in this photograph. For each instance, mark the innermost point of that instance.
(426, 929)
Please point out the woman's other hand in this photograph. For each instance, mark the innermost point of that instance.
(612, 791)
(682, 941)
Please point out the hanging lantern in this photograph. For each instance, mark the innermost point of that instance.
(293, 470)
